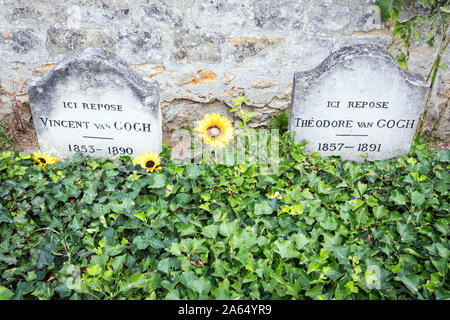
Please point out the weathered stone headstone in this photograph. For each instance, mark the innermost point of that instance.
(93, 102)
(358, 100)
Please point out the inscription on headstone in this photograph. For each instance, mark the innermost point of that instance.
(358, 100)
(93, 102)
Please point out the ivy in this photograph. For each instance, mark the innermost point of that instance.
(389, 9)
(94, 228)
(428, 20)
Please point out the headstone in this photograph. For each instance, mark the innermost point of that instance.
(358, 100)
(93, 102)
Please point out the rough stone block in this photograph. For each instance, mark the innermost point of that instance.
(357, 101)
(93, 102)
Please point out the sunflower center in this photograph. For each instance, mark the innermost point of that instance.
(214, 132)
(42, 160)
(150, 164)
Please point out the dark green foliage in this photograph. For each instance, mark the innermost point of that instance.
(281, 121)
(314, 229)
(426, 19)
(5, 141)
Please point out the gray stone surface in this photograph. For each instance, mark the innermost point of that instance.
(368, 19)
(93, 102)
(358, 100)
(243, 42)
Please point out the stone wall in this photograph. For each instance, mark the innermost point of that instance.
(203, 53)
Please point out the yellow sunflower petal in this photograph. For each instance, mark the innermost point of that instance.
(137, 160)
(44, 159)
(148, 161)
(215, 123)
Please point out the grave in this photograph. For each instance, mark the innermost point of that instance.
(93, 102)
(357, 101)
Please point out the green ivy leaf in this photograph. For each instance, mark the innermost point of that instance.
(95, 270)
(427, 3)
(380, 211)
(411, 281)
(136, 280)
(202, 286)
(417, 198)
(193, 171)
(389, 9)
(398, 198)
(164, 265)
(158, 180)
(211, 231)
(5, 293)
(286, 249)
(263, 208)
(315, 291)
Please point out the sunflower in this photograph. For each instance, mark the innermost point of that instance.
(215, 130)
(148, 161)
(44, 159)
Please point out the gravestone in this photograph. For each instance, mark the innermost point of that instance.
(93, 102)
(358, 100)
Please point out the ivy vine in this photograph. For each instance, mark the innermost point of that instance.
(426, 19)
